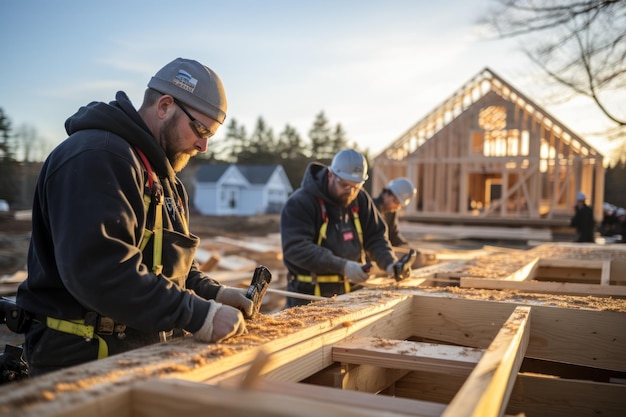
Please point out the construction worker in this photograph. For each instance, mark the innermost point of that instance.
(395, 196)
(583, 220)
(111, 262)
(329, 226)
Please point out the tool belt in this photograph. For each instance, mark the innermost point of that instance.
(92, 326)
(323, 279)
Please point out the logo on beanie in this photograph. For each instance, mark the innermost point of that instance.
(185, 81)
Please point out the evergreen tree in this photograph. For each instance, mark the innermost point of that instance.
(321, 143)
(7, 143)
(234, 143)
(293, 155)
(290, 144)
(8, 163)
(262, 146)
(339, 139)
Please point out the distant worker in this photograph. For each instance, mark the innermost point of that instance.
(583, 220)
(111, 262)
(610, 224)
(329, 226)
(397, 195)
(621, 229)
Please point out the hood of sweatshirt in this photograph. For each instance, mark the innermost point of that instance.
(120, 118)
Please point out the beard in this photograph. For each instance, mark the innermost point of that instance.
(171, 145)
(344, 200)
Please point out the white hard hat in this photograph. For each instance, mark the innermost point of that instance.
(580, 196)
(349, 165)
(403, 189)
(620, 212)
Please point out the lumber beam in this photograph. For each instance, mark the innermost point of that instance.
(486, 391)
(378, 403)
(164, 398)
(533, 395)
(404, 354)
(543, 287)
(566, 334)
(297, 359)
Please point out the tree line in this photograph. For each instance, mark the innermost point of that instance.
(287, 148)
(23, 147)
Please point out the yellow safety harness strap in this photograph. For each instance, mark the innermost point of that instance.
(79, 328)
(324, 279)
(155, 196)
(324, 226)
(359, 229)
(322, 236)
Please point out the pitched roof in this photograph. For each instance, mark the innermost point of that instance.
(484, 83)
(255, 174)
(211, 172)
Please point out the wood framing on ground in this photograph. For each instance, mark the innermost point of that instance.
(478, 345)
(606, 278)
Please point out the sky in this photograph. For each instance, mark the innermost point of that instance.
(375, 67)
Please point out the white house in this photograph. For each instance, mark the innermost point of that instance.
(240, 190)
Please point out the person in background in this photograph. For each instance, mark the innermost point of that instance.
(329, 227)
(610, 224)
(111, 264)
(621, 225)
(397, 195)
(583, 220)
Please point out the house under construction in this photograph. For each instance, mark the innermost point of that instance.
(489, 152)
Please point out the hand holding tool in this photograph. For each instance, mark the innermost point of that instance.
(258, 287)
(402, 268)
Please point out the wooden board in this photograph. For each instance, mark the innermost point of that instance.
(404, 354)
(486, 392)
(559, 276)
(298, 343)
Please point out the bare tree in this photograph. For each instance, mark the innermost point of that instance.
(579, 44)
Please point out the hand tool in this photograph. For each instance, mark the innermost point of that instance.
(402, 268)
(258, 287)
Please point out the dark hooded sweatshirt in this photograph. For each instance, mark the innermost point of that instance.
(391, 220)
(88, 221)
(301, 219)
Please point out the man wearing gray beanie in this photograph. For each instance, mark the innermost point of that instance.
(111, 265)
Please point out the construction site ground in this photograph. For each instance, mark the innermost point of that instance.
(15, 237)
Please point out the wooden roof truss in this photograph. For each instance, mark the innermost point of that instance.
(488, 130)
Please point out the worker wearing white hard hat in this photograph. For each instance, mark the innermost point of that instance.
(395, 196)
(330, 228)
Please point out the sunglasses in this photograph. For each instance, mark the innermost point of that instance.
(197, 126)
(347, 186)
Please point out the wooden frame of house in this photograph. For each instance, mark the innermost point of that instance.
(398, 350)
(489, 152)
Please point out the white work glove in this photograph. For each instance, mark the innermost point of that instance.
(354, 272)
(235, 297)
(221, 323)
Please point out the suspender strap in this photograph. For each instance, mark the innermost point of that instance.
(79, 328)
(359, 229)
(324, 226)
(324, 279)
(322, 236)
(155, 197)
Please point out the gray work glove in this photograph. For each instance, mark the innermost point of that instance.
(235, 297)
(221, 323)
(390, 271)
(354, 272)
